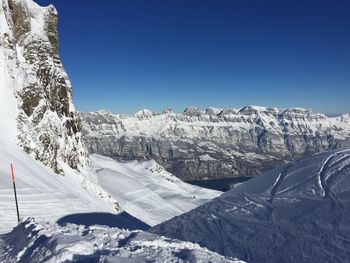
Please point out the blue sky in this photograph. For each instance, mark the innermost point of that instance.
(126, 55)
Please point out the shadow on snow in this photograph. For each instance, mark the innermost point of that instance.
(122, 220)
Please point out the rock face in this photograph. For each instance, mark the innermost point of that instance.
(47, 126)
(215, 143)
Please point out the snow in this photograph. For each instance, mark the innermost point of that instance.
(206, 157)
(40, 192)
(145, 113)
(295, 213)
(38, 16)
(8, 105)
(294, 121)
(146, 191)
(38, 241)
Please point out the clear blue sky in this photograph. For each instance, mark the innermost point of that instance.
(126, 55)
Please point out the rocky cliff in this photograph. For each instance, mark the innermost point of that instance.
(47, 126)
(215, 143)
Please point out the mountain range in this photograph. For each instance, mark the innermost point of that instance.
(215, 143)
(100, 187)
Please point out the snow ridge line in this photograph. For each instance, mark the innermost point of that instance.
(325, 180)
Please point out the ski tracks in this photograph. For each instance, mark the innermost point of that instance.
(326, 178)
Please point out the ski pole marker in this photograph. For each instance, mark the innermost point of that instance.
(13, 173)
(14, 190)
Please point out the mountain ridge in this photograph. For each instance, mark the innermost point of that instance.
(239, 142)
(215, 111)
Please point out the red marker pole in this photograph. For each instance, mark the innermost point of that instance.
(14, 189)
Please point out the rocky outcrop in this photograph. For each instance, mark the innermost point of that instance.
(215, 143)
(48, 127)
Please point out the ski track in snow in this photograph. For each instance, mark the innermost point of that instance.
(278, 182)
(281, 216)
(326, 178)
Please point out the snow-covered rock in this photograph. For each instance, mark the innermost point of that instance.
(236, 142)
(296, 213)
(43, 119)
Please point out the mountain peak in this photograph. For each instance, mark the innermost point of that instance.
(145, 113)
(192, 111)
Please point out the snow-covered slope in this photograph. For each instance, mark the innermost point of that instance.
(35, 241)
(41, 134)
(41, 193)
(296, 213)
(216, 143)
(146, 191)
(36, 101)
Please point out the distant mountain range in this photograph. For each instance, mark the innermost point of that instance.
(215, 143)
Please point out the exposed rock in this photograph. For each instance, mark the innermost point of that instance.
(48, 127)
(213, 111)
(192, 111)
(194, 145)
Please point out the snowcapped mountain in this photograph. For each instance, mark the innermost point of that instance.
(42, 135)
(215, 143)
(276, 217)
(296, 213)
(35, 93)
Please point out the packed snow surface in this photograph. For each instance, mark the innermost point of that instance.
(296, 213)
(146, 191)
(37, 241)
